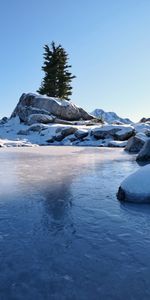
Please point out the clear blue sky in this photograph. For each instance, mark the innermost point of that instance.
(108, 42)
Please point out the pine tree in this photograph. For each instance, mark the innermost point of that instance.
(57, 79)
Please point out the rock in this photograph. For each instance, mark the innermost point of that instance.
(147, 133)
(37, 104)
(34, 128)
(23, 132)
(135, 144)
(40, 118)
(80, 134)
(51, 140)
(3, 120)
(59, 137)
(136, 187)
(144, 120)
(68, 131)
(117, 132)
(144, 154)
(37, 127)
(63, 132)
(125, 133)
(104, 132)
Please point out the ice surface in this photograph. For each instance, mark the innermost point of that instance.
(63, 234)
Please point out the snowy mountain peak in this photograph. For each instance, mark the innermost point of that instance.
(109, 117)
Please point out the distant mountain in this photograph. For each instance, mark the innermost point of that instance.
(109, 117)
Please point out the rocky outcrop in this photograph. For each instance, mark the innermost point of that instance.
(144, 154)
(34, 104)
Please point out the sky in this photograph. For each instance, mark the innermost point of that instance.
(108, 42)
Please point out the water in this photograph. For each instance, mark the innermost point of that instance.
(63, 233)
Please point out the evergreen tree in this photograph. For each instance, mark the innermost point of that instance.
(57, 79)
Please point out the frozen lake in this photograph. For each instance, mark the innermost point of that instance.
(63, 233)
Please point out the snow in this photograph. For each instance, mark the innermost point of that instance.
(15, 133)
(137, 185)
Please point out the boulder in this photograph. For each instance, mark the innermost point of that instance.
(37, 104)
(144, 154)
(3, 120)
(40, 118)
(68, 131)
(23, 132)
(135, 144)
(34, 128)
(80, 133)
(62, 132)
(144, 120)
(104, 132)
(125, 133)
(117, 132)
(136, 187)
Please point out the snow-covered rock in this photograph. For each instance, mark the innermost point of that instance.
(118, 132)
(144, 154)
(109, 117)
(136, 143)
(40, 118)
(15, 143)
(40, 121)
(117, 144)
(30, 104)
(144, 120)
(141, 127)
(81, 133)
(136, 187)
(3, 120)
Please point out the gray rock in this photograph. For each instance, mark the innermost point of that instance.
(40, 118)
(62, 109)
(68, 131)
(3, 120)
(147, 132)
(59, 137)
(144, 154)
(37, 127)
(124, 134)
(103, 133)
(23, 132)
(34, 128)
(144, 120)
(134, 144)
(80, 134)
(51, 140)
(63, 132)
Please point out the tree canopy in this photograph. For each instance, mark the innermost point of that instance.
(58, 78)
